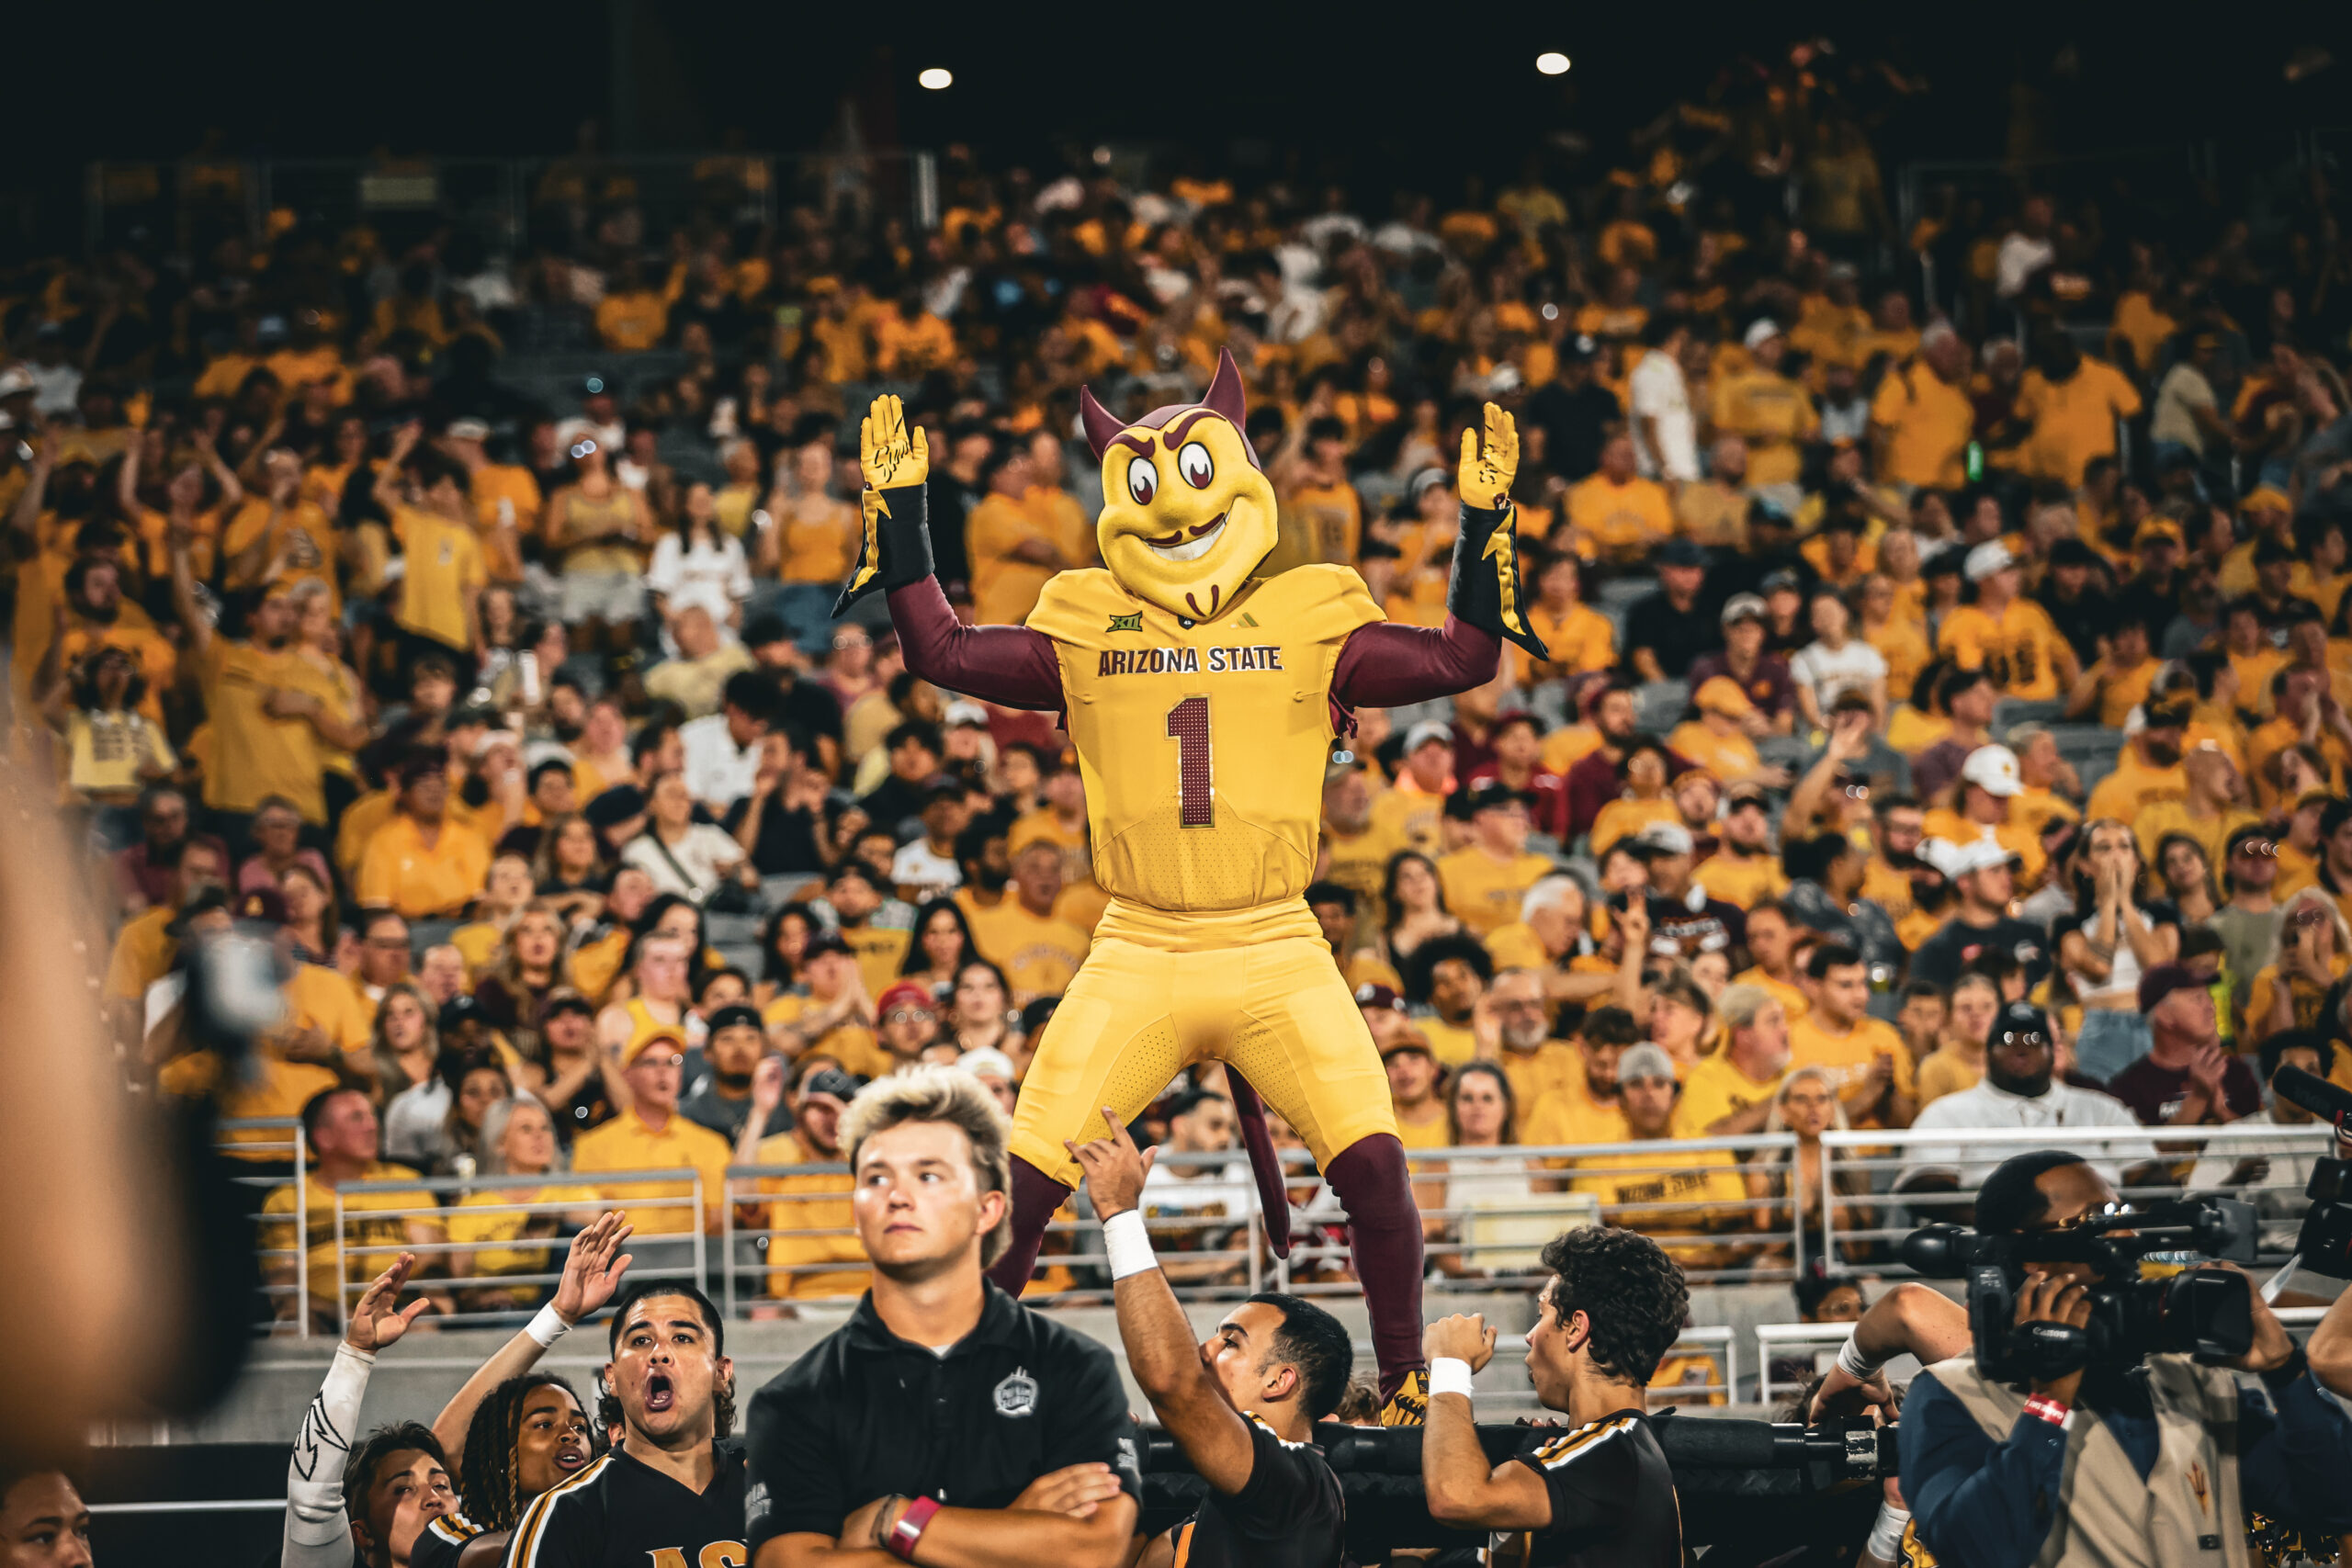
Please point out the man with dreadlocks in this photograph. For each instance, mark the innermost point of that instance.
(520, 1432)
(669, 1491)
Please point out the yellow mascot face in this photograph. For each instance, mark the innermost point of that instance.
(1187, 515)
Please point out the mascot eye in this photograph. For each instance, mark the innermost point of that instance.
(1143, 479)
(1194, 463)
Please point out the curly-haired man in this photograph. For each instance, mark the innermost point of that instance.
(1600, 1492)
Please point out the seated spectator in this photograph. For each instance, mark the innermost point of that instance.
(2186, 1079)
(695, 681)
(2020, 1089)
(522, 973)
(910, 1024)
(145, 946)
(504, 896)
(1984, 800)
(2185, 879)
(723, 751)
(780, 822)
(1743, 869)
(1486, 878)
(1683, 921)
(914, 750)
(1801, 1187)
(1187, 1199)
(1536, 1063)
(1836, 662)
(339, 1128)
(2115, 934)
(1967, 698)
(2010, 637)
(649, 1135)
(1482, 1113)
(981, 1014)
(1958, 1060)
(1670, 627)
(517, 1139)
(1413, 893)
(2310, 953)
(1746, 660)
(1678, 1197)
(830, 1013)
(1864, 1059)
(1681, 1018)
(808, 1213)
(1414, 1074)
(1980, 873)
(436, 1126)
(691, 859)
(1642, 799)
(697, 562)
(733, 1049)
(1445, 977)
(405, 1042)
(1731, 1091)
(422, 864)
(1771, 942)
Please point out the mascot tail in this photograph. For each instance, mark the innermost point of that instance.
(1274, 1193)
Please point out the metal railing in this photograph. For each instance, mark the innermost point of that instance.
(274, 1138)
(2191, 1159)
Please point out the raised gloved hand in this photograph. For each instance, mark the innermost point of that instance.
(1485, 591)
(895, 549)
(1490, 468)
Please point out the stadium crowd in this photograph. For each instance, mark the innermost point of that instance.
(1946, 722)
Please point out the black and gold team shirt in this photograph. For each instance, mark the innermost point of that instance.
(1289, 1514)
(865, 1413)
(619, 1513)
(1613, 1497)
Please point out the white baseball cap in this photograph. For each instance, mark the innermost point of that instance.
(1665, 837)
(15, 381)
(1994, 769)
(1760, 330)
(987, 1059)
(1987, 558)
(1421, 733)
(1956, 861)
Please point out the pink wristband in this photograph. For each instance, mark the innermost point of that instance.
(2041, 1407)
(909, 1527)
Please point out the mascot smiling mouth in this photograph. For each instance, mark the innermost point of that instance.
(1174, 546)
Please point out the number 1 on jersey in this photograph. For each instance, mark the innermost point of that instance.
(1188, 725)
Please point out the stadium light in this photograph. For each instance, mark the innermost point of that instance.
(1551, 63)
(936, 77)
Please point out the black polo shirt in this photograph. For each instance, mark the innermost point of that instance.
(865, 1413)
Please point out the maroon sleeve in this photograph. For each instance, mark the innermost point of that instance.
(1009, 666)
(1386, 665)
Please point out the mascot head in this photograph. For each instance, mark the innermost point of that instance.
(1187, 513)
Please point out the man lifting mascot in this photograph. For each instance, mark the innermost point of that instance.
(1202, 699)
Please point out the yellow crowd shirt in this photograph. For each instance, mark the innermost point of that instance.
(2073, 421)
(1847, 1057)
(1777, 417)
(1202, 747)
(444, 564)
(1740, 880)
(2021, 650)
(1482, 892)
(490, 1216)
(419, 880)
(1569, 1115)
(1622, 520)
(1038, 953)
(1581, 639)
(805, 1204)
(1714, 1090)
(1553, 1067)
(371, 1220)
(2134, 786)
(1927, 422)
(254, 755)
(626, 1143)
(850, 1043)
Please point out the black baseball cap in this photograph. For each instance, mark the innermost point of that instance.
(566, 1001)
(825, 941)
(2017, 1020)
(615, 807)
(1681, 552)
(842, 1085)
(735, 1015)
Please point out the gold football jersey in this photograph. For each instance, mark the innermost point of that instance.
(1202, 746)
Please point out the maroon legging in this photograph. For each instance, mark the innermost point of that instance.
(1383, 665)
(1385, 1234)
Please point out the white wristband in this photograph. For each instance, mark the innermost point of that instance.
(1886, 1533)
(1129, 1247)
(548, 1327)
(1450, 1374)
(1854, 1364)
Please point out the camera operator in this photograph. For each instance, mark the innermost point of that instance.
(1600, 1495)
(2154, 1460)
(1242, 1404)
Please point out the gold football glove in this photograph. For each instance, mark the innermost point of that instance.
(1487, 476)
(892, 454)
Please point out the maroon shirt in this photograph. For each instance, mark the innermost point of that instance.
(2154, 1093)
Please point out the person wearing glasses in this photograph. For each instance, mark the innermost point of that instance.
(909, 1020)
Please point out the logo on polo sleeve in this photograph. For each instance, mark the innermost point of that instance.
(1017, 1394)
